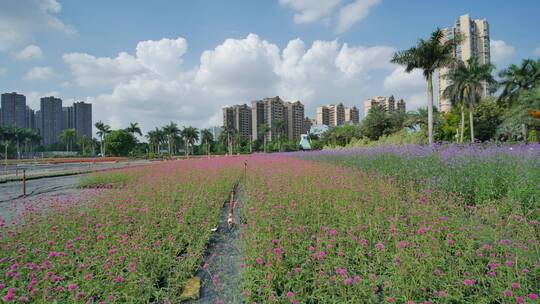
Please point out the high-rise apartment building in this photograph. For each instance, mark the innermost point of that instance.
(331, 115)
(30, 118)
(68, 119)
(51, 120)
(352, 115)
(82, 119)
(323, 116)
(474, 35)
(389, 103)
(239, 118)
(13, 110)
(307, 125)
(294, 113)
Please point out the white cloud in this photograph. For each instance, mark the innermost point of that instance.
(154, 89)
(162, 57)
(308, 11)
(404, 83)
(32, 97)
(90, 71)
(331, 12)
(29, 52)
(501, 52)
(537, 51)
(353, 13)
(40, 74)
(21, 19)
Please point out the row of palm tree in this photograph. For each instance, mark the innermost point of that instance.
(468, 79)
(173, 137)
(23, 138)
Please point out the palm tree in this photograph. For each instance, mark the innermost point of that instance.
(456, 92)
(190, 135)
(279, 129)
(103, 130)
(264, 129)
(7, 135)
(134, 128)
(472, 77)
(85, 143)
(207, 137)
(516, 79)
(428, 55)
(170, 131)
(228, 136)
(67, 137)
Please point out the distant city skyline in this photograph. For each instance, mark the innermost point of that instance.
(51, 118)
(201, 55)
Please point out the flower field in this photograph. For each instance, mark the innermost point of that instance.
(137, 243)
(379, 225)
(317, 233)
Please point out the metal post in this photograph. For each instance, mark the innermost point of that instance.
(24, 182)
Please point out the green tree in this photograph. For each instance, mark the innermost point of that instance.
(86, 144)
(68, 137)
(518, 79)
(377, 122)
(134, 128)
(170, 131)
(103, 130)
(7, 136)
(207, 138)
(263, 131)
(120, 142)
(279, 130)
(190, 136)
(472, 77)
(488, 117)
(428, 55)
(517, 119)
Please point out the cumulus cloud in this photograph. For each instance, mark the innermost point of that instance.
(155, 89)
(409, 86)
(353, 13)
(308, 11)
(501, 52)
(29, 52)
(21, 19)
(40, 74)
(342, 16)
(536, 52)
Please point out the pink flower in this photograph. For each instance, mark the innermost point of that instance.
(72, 286)
(118, 279)
(278, 250)
(508, 293)
(469, 282)
(533, 296)
(357, 279)
(380, 246)
(442, 293)
(520, 300)
(402, 244)
(348, 281)
(333, 232)
(515, 285)
(259, 261)
(290, 294)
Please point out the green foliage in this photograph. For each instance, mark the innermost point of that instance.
(120, 142)
(487, 117)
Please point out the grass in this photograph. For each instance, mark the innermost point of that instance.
(115, 179)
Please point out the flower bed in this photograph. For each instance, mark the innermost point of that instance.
(135, 244)
(318, 233)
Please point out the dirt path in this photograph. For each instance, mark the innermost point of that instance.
(220, 274)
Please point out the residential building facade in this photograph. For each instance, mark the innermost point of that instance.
(13, 110)
(352, 115)
(294, 113)
(389, 103)
(239, 118)
(475, 42)
(51, 123)
(82, 119)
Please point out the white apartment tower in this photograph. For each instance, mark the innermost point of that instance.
(474, 35)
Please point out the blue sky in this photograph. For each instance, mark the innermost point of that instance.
(156, 61)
